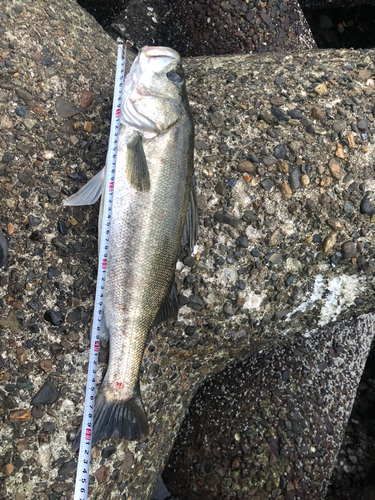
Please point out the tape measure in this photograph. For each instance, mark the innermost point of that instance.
(83, 466)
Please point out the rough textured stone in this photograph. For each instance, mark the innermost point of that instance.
(86, 99)
(228, 428)
(227, 219)
(185, 361)
(348, 249)
(246, 166)
(8, 469)
(214, 28)
(65, 108)
(367, 207)
(20, 415)
(46, 394)
(334, 168)
(317, 113)
(329, 241)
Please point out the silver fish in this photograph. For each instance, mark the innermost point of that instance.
(154, 216)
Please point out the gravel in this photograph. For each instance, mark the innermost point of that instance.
(46, 394)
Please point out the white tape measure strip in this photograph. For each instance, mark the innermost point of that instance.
(83, 466)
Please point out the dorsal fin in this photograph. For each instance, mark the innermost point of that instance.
(190, 232)
(169, 306)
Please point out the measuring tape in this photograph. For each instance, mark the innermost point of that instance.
(83, 466)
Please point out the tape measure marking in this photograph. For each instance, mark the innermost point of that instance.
(83, 466)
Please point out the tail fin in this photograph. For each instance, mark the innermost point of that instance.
(120, 419)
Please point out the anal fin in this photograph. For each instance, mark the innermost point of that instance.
(136, 168)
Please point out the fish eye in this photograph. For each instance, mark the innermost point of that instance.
(174, 77)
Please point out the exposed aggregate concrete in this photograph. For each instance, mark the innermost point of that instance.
(328, 4)
(211, 27)
(268, 427)
(276, 217)
(237, 27)
(352, 477)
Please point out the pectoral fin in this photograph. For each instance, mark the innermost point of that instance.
(136, 165)
(90, 192)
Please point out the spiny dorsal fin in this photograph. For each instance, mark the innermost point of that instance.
(136, 165)
(190, 232)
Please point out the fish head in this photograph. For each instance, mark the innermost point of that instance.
(154, 96)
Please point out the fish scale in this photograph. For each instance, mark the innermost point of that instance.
(145, 237)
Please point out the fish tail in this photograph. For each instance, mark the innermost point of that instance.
(119, 419)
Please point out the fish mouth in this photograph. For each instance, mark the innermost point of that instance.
(157, 58)
(161, 52)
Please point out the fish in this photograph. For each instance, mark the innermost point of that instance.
(154, 221)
